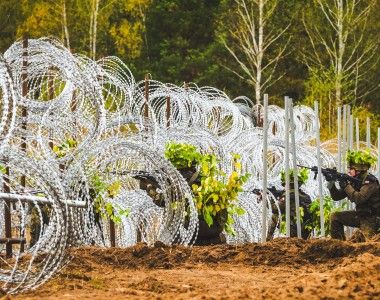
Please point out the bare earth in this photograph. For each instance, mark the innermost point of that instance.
(281, 269)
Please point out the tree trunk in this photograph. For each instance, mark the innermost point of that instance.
(65, 29)
(93, 27)
(260, 52)
(95, 20)
(341, 46)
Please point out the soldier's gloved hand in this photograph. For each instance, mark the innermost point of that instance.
(342, 184)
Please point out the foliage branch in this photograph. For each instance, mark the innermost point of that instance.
(303, 175)
(360, 157)
(329, 207)
(64, 148)
(99, 191)
(216, 195)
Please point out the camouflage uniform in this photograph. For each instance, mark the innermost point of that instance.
(304, 201)
(35, 221)
(367, 213)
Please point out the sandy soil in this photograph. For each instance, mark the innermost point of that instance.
(281, 269)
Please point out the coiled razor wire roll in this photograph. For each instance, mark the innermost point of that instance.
(47, 62)
(122, 161)
(62, 89)
(31, 268)
(8, 104)
(120, 128)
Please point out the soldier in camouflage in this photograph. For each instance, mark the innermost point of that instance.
(304, 204)
(38, 213)
(365, 195)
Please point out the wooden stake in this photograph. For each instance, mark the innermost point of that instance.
(168, 112)
(344, 137)
(7, 215)
(24, 113)
(112, 234)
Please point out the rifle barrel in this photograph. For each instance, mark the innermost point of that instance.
(310, 168)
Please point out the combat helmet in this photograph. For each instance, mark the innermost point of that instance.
(303, 176)
(360, 160)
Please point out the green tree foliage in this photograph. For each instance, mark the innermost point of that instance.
(182, 155)
(120, 24)
(362, 113)
(292, 83)
(10, 18)
(320, 87)
(180, 41)
(41, 19)
(127, 27)
(341, 43)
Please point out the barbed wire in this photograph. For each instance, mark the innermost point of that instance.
(80, 118)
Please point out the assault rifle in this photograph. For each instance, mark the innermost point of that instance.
(276, 193)
(139, 175)
(331, 174)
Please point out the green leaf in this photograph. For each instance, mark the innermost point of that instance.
(302, 175)
(174, 205)
(2, 169)
(114, 189)
(109, 208)
(207, 217)
(240, 211)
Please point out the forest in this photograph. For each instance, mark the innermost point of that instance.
(199, 149)
(308, 50)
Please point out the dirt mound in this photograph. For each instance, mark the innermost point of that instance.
(282, 251)
(357, 237)
(281, 269)
(376, 238)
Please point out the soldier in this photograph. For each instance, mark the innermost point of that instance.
(38, 214)
(365, 195)
(304, 202)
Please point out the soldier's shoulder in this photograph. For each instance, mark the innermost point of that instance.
(371, 179)
(302, 193)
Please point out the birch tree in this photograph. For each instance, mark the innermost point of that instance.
(65, 28)
(45, 17)
(339, 45)
(89, 26)
(251, 38)
(127, 31)
(93, 27)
